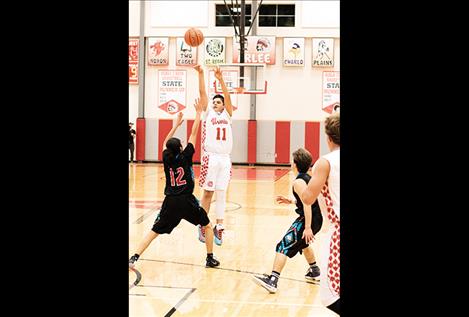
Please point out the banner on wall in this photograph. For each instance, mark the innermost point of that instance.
(231, 79)
(172, 90)
(294, 51)
(215, 48)
(185, 55)
(158, 51)
(260, 50)
(323, 52)
(330, 91)
(133, 61)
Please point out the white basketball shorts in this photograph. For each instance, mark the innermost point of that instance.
(215, 171)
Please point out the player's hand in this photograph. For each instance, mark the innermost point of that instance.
(308, 235)
(283, 200)
(179, 119)
(198, 68)
(198, 105)
(218, 74)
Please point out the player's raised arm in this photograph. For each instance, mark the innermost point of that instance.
(195, 127)
(173, 129)
(226, 94)
(202, 91)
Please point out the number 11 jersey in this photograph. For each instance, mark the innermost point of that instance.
(217, 136)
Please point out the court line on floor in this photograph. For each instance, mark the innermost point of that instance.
(227, 269)
(179, 303)
(146, 215)
(237, 206)
(161, 286)
(138, 279)
(227, 301)
(172, 310)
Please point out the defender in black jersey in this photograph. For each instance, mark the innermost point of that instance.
(179, 202)
(301, 232)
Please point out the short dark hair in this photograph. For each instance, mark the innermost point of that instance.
(219, 96)
(173, 148)
(302, 158)
(333, 127)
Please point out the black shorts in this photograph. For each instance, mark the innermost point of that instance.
(176, 208)
(292, 243)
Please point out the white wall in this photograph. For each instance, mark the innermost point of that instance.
(294, 93)
(134, 18)
(133, 103)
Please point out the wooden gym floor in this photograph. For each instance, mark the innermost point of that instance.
(170, 278)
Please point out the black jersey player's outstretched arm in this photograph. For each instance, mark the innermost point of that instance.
(198, 105)
(179, 121)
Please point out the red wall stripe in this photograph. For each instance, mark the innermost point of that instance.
(190, 123)
(140, 140)
(252, 141)
(312, 139)
(164, 126)
(282, 141)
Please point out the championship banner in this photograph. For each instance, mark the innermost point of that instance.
(294, 51)
(158, 51)
(214, 49)
(260, 50)
(133, 61)
(185, 55)
(323, 52)
(231, 79)
(330, 90)
(172, 90)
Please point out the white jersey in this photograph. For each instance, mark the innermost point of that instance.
(330, 247)
(217, 136)
(333, 181)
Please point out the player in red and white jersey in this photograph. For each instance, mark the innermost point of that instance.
(217, 142)
(325, 186)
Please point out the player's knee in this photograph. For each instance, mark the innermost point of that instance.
(279, 248)
(208, 194)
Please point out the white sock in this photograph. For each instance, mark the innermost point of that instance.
(220, 204)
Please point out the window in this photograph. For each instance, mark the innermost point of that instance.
(272, 15)
(222, 16)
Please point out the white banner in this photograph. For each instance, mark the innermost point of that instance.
(294, 51)
(259, 50)
(215, 50)
(172, 90)
(330, 90)
(185, 55)
(158, 49)
(323, 52)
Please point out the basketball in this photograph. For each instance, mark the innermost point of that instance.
(193, 37)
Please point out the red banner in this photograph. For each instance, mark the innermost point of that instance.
(133, 61)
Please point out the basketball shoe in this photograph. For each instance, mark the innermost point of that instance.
(313, 274)
(201, 233)
(266, 281)
(132, 261)
(210, 261)
(218, 233)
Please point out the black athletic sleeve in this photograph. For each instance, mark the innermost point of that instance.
(189, 151)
